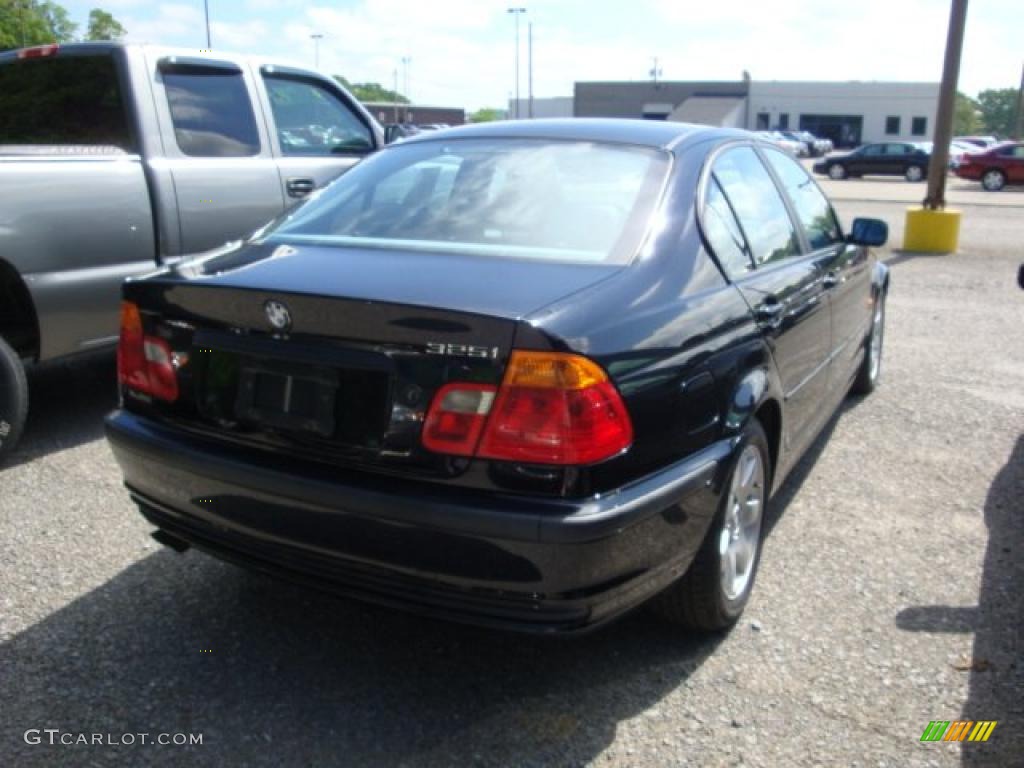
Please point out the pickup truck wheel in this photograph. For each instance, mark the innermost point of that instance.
(871, 369)
(13, 398)
(712, 594)
(836, 171)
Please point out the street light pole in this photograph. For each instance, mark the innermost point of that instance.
(517, 12)
(206, 10)
(317, 37)
(529, 67)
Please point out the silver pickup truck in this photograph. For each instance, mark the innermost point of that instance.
(115, 159)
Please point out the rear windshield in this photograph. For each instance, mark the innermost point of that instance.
(62, 100)
(554, 200)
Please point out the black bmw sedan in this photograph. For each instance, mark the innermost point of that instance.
(526, 375)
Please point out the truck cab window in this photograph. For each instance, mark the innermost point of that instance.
(313, 121)
(211, 112)
(70, 100)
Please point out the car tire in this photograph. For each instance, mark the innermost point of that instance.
(13, 398)
(836, 172)
(710, 597)
(871, 367)
(993, 180)
(914, 173)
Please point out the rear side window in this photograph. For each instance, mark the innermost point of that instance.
(313, 121)
(211, 112)
(724, 234)
(63, 100)
(812, 207)
(758, 205)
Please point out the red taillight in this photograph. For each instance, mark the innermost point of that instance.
(144, 363)
(38, 51)
(456, 418)
(551, 408)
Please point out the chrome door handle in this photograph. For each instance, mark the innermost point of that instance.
(831, 279)
(770, 313)
(300, 187)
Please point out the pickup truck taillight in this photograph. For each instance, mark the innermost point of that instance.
(39, 51)
(551, 408)
(144, 363)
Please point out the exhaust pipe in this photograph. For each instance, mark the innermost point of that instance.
(169, 540)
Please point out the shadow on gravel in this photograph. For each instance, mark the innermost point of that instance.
(67, 403)
(899, 256)
(996, 666)
(799, 474)
(274, 675)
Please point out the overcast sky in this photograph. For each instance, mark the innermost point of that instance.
(461, 51)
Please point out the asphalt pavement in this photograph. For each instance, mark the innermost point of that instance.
(890, 593)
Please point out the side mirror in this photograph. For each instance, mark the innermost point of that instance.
(872, 232)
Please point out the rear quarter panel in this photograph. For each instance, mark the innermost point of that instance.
(674, 336)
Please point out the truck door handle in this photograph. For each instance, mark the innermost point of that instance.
(831, 279)
(770, 313)
(300, 187)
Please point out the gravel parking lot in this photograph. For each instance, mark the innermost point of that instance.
(890, 593)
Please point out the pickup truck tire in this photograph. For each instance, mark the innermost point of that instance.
(13, 398)
(704, 598)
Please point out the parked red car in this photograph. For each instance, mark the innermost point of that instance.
(995, 168)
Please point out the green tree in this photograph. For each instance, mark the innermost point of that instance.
(103, 26)
(487, 115)
(374, 92)
(998, 110)
(22, 23)
(965, 116)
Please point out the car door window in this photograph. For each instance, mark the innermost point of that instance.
(211, 112)
(812, 208)
(723, 233)
(311, 120)
(873, 150)
(758, 205)
(897, 149)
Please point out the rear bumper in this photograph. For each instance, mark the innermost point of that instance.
(514, 562)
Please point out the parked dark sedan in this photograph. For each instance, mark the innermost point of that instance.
(889, 159)
(521, 374)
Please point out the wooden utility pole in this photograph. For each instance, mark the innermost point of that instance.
(939, 163)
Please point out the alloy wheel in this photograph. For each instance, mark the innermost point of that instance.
(741, 529)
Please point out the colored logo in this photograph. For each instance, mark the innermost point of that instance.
(958, 730)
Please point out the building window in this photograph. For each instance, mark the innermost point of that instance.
(892, 126)
(784, 121)
(919, 126)
(763, 119)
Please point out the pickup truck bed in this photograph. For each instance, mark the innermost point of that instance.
(116, 159)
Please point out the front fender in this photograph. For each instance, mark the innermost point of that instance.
(879, 278)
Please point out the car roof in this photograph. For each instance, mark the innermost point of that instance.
(650, 133)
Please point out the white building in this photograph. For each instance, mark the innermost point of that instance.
(555, 106)
(849, 113)
(855, 112)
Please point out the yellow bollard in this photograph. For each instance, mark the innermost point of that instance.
(931, 231)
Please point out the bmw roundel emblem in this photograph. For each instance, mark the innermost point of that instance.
(278, 316)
